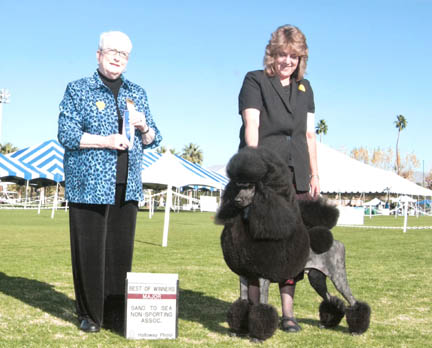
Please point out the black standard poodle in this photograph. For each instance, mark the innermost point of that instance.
(268, 235)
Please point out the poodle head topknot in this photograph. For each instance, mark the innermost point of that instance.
(247, 166)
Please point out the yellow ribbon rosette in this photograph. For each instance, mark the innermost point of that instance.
(100, 105)
(302, 88)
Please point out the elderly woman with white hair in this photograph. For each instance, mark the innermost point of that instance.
(104, 125)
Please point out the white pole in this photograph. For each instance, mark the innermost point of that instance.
(168, 203)
(150, 206)
(40, 200)
(54, 207)
(1, 119)
(150, 202)
(57, 195)
(178, 199)
(26, 189)
(397, 208)
(190, 198)
(406, 216)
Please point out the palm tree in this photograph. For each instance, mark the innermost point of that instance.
(321, 128)
(400, 124)
(192, 153)
(163, 149)
(7, 148)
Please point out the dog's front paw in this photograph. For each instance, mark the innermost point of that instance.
(237, 318)
(263, 321)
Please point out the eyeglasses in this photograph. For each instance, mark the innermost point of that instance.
(113, 52)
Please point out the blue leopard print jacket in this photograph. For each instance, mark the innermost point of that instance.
(89, 106)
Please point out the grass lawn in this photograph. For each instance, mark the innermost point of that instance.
(390, 270)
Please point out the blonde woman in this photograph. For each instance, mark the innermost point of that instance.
(277, 108)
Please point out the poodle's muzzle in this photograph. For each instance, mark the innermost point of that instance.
(245, 194)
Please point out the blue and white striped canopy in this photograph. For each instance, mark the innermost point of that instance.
(11, 168)
(47, 157)
(175, 170)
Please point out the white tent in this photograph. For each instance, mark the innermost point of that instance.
(14, 170)
(169, 170)
(373, 202)
(340, 173)
(222, 171)
(404, 199)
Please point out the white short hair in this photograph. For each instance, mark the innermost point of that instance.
(115, 39)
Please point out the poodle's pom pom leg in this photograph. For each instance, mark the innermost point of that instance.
(237, 317)
(263, 321)
(358, 317)
(321, 239)
(331, 312)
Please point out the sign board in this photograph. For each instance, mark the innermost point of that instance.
(208, 203)
(350, 216)
(151, 306)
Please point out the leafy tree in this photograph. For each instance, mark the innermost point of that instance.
(7, 148)
(192, 153)
(400, 124)
(408, 165)
(321, 128)
(428, 180)
(161, 149)
(382, 158)
(360, 154)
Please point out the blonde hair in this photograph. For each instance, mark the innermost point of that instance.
(291, 38)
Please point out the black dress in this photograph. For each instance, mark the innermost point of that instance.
(283, 119)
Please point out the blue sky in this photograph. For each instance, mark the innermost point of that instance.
(368, 61)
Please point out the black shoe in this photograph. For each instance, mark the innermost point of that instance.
(289, 324)
(88, 325)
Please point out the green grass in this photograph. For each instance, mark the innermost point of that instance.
(397, 221)
(390, 270)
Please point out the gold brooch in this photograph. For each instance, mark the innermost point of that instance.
(100, 105)
(302, 88)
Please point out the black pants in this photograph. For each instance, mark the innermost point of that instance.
(102, 239)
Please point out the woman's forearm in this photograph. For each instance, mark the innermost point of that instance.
(251, 120)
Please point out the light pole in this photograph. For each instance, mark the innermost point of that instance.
(4, 99)
(423, 175)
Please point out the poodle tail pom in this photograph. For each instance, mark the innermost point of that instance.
(237, 317)
(321, 239)
(263, 321)
(319, 213)
(358, 317)
(331, 312)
